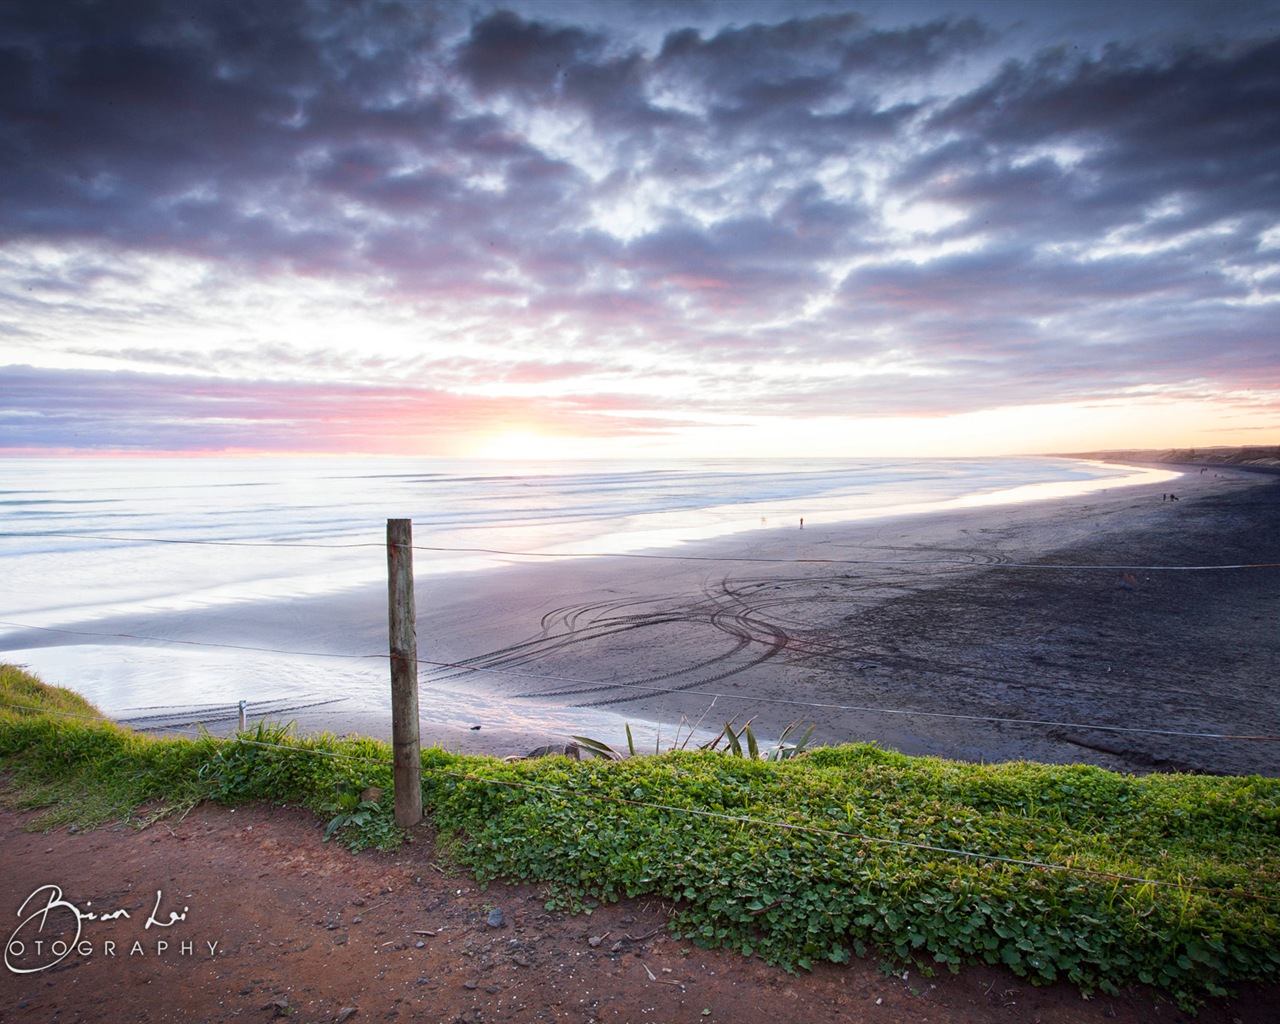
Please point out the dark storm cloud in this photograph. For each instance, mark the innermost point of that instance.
(284, 132)
(1198, 127)
(536, 63)
(1172, 158)
(320, 137)
(507, 53)
(246, 131)
(805, 61)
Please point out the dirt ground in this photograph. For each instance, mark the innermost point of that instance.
(304, 930)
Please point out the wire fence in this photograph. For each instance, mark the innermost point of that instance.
(161, 716)
(1180, 885)
(654, 556)
(630, 690)
(642, 688)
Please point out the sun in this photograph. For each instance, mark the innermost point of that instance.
(521, 445)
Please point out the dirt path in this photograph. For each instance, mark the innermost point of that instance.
(305, 930)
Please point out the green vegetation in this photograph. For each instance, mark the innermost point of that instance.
(740, 742)
(1173, 880)
(87, 771)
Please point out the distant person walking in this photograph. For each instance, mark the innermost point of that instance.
(802, 522)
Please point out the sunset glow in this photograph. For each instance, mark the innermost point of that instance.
(537, 230)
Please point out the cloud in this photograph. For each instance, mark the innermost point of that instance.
(507, 53)
(813, 59)
(1073, 145)
(125, 411)
(729, 208)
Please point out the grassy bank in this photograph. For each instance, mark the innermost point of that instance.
(1165, 879)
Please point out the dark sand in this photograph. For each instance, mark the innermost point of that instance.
(955, 634)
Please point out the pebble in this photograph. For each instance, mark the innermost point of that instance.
(496, 918)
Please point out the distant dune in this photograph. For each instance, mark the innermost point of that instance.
(1261, 457)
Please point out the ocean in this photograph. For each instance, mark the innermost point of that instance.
(155, 586)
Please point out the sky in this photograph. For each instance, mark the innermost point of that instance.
(651, 229)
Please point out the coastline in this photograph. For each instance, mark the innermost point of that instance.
(943, 634)
(1251, 458)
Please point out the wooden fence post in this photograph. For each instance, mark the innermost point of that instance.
(402, 617)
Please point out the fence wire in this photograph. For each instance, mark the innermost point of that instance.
(855, 837)
(658, 556)
(750, 699)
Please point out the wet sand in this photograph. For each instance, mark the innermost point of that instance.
(992, 634)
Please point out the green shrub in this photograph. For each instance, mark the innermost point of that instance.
(1168, 880)
(864, 864)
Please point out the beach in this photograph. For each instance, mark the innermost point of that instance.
(925, 618)
(1061, 630)
(1082, 629)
